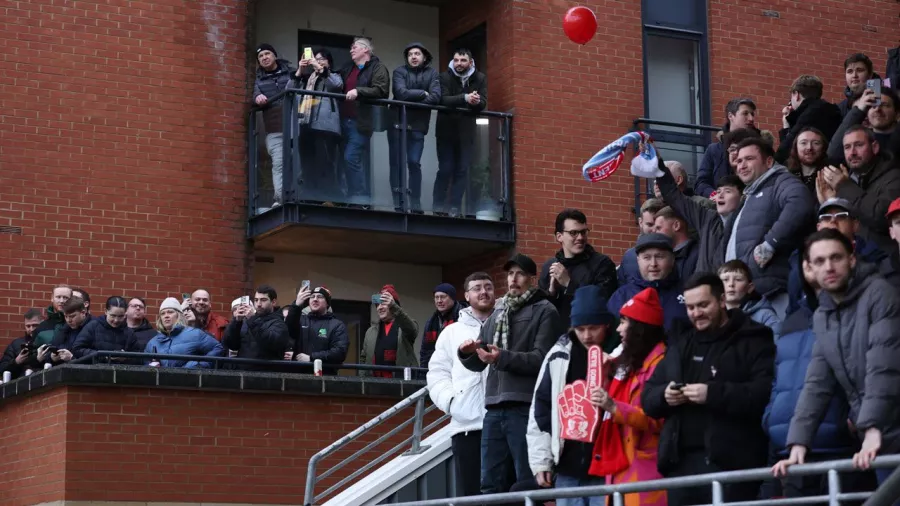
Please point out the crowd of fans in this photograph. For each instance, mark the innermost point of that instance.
(756, 320)
(337, 133)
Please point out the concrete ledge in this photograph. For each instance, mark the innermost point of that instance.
(208, 380)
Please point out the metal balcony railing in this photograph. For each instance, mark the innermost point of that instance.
(487, 185)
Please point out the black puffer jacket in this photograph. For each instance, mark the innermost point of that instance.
(587, 268)
(261, 337)
(416, 84)
(99, 335)
(813, 112)
(144, 333)
(321, 336)
(65, 337)
(8, 362)
(270, 84)
(738, 369)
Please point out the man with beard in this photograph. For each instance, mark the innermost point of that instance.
(446, 311)
(262, 336)
(511, 345)
(711, 389)
(869, 181)
(858, 307)
(575, 265)
(317, 335)
(882, 118)
(214, 324)
(458, 391)
(807, 109)
(808, 156)
(462, 86)
(21, 353)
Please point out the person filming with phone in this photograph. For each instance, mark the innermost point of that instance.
(391, 340)
(711, 389)
(877, 105)
(258, 332)
(316, 333)
(21, 353)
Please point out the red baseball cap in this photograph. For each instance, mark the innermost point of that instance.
(895, 207)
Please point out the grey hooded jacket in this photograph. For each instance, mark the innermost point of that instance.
(857, 350)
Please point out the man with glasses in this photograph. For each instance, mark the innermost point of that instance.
(576, 264)
(656, 263)
(458, 391)
(316, 334)
(136, 319)
(838, 214)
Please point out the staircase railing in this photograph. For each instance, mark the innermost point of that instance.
(413, 443)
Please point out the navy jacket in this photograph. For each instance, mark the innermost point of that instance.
(670, 296)
(99, 335)
(628, 271)
(794, 352)
(713, 167)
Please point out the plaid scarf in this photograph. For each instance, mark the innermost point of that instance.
(509, 304)
(308, 101)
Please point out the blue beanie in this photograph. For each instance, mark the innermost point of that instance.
(446, 288)
(589, 307)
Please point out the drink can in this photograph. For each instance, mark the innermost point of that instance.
(47, 366)
(317, 367)
(28, 372)
(7, 376)
(407, 374)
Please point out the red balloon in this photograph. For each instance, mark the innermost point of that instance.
(580, 24)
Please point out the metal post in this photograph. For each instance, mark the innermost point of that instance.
(287, 107)
(834, 488)
(402, 162)
(618, 500)
(308, 496)
(717, 494)
(506, 157)
(297, 168)
(252, 167)
(417, 426)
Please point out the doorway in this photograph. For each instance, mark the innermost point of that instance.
(357, 318)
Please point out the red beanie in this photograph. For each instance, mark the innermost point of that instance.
(645, 308)
(391, 290)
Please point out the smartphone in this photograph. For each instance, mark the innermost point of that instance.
(307, 53)
(245, 300)
(875, 85)
(376, 299)
(52, 349)
(484, 346)
(304, 284)
(185, 296)
(677, 386)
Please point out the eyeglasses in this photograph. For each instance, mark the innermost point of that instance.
(830, 218)
(480, 288)
(136, 306)
(575, 233)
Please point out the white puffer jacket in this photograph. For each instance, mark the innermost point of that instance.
(453, 388)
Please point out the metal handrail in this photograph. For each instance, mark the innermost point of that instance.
(715, 480)
(93, 357)
(414, 442)
(673, 124)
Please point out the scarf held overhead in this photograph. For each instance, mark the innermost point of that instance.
(607, 160)
(510, 304)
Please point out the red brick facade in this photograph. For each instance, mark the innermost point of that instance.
(123, 139)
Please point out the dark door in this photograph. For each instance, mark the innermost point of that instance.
(357, 317)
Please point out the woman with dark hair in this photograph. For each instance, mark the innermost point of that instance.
(320, 127)
(809, 155)
(625, 449)
(108, 333)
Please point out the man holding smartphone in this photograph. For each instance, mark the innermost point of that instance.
(21, 354)
(878, 105)
(391, 340)
(317, 334)
(712, 388)
(261, 335)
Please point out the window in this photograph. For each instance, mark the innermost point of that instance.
(673, 74)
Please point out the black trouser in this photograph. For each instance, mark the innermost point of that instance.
(467, 462)
(318, 165)
(694, 463)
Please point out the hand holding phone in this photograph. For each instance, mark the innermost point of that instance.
(376, 299)
(875, 86)
(307, 53)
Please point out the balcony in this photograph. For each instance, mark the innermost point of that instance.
(318, 216)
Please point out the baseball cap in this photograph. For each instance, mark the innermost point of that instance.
(654, 240)
(523, 261)
(839, 203)
(894, 207)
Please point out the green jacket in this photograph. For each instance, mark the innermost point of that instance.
(408, 330)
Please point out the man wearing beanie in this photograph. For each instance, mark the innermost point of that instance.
(576, 264)
(391, 340)
(511, 345)
(566, 363)
(272, 77)
(656, 264)
(712, 388)
(446, 311)
(317, 334)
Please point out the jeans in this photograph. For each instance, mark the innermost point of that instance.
(563, 481)
(275, 145)
(415, 145)
(454, 161)
(467, 462)
(356, 146)
(503, 447)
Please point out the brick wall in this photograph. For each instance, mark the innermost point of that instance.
(123, 150)
(570, 101)
(151, 445)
